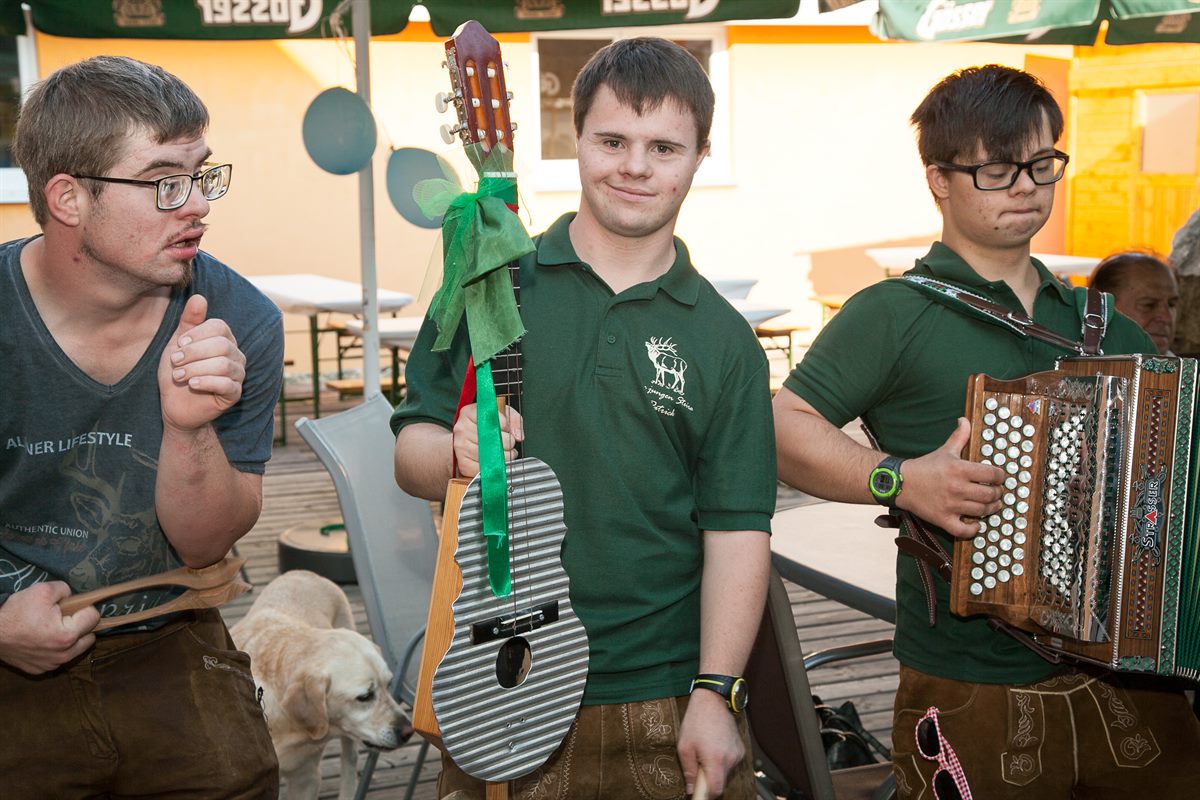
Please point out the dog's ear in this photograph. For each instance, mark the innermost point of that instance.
(304, 702)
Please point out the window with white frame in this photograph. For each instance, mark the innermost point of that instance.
(17, 68)
(557, 59)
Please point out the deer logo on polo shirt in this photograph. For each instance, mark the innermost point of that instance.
(669, 369)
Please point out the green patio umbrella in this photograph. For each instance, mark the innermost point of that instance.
(544, 15)
(1075, 22)
(290, 19)
(194, 19)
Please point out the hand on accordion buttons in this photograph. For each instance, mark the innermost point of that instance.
(466, 437)
(947, 491)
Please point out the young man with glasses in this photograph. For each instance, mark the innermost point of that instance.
(140, 380)
(899, 360)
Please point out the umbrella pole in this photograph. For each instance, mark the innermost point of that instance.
(361, 22)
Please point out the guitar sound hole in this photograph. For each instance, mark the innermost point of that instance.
(512, 663)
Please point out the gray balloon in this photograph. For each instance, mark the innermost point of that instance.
(406, 166)
(339, 131)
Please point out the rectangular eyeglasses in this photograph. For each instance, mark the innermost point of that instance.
(995, 176)
(173, 191)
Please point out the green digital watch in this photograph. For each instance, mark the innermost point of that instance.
(886, 482)
(734, 690)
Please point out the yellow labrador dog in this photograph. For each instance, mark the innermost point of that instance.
(320, 679)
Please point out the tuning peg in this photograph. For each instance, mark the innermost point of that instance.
(512, 127)
(442, 101)
(445, 65)
(448, 133)
(495, 103)
(470, 72)
(491, 72)
(475, 102)
(510, 95)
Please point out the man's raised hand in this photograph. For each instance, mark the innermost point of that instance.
(201, 370)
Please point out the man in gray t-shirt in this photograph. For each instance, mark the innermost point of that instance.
(140, 377)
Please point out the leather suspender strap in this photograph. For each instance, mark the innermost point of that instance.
(918, 541)
(1095, 321)
(1095, 317)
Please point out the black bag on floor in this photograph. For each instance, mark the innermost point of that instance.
(847, 742)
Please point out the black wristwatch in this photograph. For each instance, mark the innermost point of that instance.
(734, 690)
(886, 482)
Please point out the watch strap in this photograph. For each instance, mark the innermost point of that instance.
(732, 688)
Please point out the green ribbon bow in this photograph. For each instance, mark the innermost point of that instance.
(480, 235)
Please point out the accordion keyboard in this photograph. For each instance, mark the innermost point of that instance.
(998, 551)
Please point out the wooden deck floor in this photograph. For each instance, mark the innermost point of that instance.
(298, 491)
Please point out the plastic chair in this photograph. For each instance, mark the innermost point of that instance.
(783, 722)
(392, 538)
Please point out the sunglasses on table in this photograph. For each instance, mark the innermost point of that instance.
(949, 780)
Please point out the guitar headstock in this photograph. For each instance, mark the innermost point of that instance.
(480, 96)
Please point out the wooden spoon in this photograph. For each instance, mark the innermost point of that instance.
(207, 587)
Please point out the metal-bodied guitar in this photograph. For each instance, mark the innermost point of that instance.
(501, 677)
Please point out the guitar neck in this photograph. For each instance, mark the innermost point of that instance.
(506, 365)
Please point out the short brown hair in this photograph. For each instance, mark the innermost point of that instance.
(642, 73)
(998, 107)
(74, 122)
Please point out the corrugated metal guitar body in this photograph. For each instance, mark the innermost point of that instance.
(492, 731)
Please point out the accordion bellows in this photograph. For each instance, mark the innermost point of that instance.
(1095, 549)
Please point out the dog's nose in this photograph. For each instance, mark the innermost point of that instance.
(403, 730)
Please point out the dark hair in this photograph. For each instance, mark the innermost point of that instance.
(1000, 108)
(75, 121)
(1117, 270)
(642, 73)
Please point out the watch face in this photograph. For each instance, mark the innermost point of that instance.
(740, 695)
(883, 482)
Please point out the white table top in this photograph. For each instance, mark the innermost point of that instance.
(402, 331)
(393, 331)
(899, 259)
(757, 313)
(732, 287)
(837, 550)
(312, 294)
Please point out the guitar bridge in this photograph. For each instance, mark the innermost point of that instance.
(504, 627)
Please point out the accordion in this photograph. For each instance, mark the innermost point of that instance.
(1095, 549)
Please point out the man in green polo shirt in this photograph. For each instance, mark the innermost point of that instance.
(899, 360)
(647, 394)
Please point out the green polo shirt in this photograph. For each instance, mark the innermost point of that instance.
(653, 408)
(900, 361)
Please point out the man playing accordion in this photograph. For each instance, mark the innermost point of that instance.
(899, 360)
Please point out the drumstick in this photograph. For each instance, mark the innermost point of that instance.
(701, 789)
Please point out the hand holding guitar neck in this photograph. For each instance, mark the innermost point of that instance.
(466, 437)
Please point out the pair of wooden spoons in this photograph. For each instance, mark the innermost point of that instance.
(207, 587)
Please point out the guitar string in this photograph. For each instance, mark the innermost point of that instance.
(522, 541)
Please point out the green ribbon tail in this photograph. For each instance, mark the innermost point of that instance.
(493, 482)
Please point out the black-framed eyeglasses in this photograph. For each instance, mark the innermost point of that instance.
(949, 780)
(995, 176)
(173, 191)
